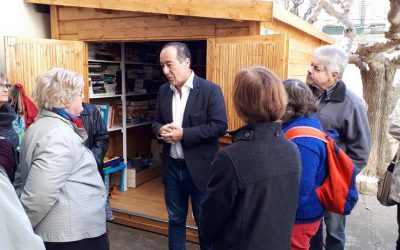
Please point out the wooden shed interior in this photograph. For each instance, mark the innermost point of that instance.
(223, 36)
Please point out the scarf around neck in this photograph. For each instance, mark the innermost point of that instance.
(71, 117)
(7, 115)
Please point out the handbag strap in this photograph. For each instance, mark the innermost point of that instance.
(394, 158)
(392, 164)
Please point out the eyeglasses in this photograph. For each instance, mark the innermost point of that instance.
(5, 86)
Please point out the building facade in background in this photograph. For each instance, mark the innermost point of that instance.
(24, 20)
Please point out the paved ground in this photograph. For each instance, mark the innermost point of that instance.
(370, 226)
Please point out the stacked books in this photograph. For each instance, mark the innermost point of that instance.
(138, 111)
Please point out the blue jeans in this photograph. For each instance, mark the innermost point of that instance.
(335, 233)
(178, 186)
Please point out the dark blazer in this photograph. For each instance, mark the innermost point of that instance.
(253, 191)
(204, 120)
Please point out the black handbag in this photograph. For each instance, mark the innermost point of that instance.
(384, 185)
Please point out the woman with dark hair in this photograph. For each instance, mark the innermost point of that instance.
(254, 182)
(300, 111)
(7, 116)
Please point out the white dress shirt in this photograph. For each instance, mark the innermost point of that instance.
(178, 108)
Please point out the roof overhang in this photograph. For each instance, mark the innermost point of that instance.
(224, 9)
(238, 10)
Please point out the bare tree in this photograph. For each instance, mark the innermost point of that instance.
(377, 63)
(295, 6)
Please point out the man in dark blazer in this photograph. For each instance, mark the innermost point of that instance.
(190, 117)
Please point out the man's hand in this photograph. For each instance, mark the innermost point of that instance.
(171, 133)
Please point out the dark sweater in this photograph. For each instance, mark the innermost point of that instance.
(9, 159)
(253, 191)
(313, 173)
(343, 112)
(7, 116)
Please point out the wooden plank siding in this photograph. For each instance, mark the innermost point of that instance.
(79, 24)
(229, 55)
(226, 9)
(285, 18)
(300, 56)
(27, 58)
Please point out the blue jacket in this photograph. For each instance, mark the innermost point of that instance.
(314, 165)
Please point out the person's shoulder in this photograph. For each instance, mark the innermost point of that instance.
(88, 106)
(204, 83)
(310, 121)
(353, 100)
(164, 87)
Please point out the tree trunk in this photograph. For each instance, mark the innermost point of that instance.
(377, 84)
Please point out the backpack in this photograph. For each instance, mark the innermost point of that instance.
(338, 192)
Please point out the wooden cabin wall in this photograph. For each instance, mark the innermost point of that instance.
(226, 56)
(86, 24)
(301, 47)
(300, 56)
(27, 58)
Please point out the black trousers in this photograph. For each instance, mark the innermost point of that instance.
(98, 243)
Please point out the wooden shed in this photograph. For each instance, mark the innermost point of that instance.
(223, 35)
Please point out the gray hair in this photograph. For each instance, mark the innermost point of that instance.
(334, 57)
(56, 88)
(182, 48)
(3, 78)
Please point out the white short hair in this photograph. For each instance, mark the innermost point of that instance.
(56, 88)
(334, 57)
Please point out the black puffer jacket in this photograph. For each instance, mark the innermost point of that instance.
(97, 132)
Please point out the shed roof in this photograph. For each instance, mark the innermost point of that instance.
(246, 10)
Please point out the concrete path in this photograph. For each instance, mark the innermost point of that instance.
(371, 226)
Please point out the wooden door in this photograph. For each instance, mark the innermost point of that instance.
(27, 58)
(226, 56)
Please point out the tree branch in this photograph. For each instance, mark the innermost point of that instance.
(311, 6)
(314, 17)
(342, 17)
(355, 59)
(295, 7)
(394, 59)
(367, 51)
(394, 20)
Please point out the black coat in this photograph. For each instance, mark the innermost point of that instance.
(97, 132)
(253, 191)
(7, 159)
(204, 120)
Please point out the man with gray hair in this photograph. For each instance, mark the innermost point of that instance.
(341, 110)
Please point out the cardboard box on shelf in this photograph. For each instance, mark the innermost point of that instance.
(136, 179)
